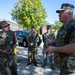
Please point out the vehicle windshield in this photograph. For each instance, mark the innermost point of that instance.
(19, 33)
(25, 33)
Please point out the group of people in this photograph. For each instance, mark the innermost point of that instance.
(32, 40)
(62, 48)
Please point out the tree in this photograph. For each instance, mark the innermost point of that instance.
(74, 16)
(44, 23)
(56, 26)
(28, 12)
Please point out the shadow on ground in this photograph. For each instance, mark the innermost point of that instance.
(23, 69)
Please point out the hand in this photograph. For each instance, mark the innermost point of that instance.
(31, 44)
(10, 51)
(50, 49)
(6, 52)
(48, 42)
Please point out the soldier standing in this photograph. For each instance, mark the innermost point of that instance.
(7, 44)
(32, 46)
(46, 36)
(64, 45)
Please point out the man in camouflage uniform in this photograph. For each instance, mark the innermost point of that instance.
(64, 48)
(47, 35)
(7, 44)
(32, 46)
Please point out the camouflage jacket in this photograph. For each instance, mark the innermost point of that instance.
(32, 38)
(47, 36)
(66, 35)
(8, 42)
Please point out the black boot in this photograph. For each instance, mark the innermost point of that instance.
(43, 65)
(52, 67)
(28, 63)
(13, 73)
(35, 63)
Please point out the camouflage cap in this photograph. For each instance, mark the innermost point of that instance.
(65, 6)
(3, 24)
(48, 26)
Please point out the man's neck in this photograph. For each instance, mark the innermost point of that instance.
(48, 32)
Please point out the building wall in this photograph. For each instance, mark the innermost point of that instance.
(13, 26)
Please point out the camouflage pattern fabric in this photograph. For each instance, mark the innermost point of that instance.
(63, 72)
(32, 50)
(32, 38)
(32, 54)
(3, 66)
(7, 44)
(45, 37)
(63, 60)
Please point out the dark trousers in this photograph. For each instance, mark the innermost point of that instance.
(51, 57)
(12, 64)
(13, 69)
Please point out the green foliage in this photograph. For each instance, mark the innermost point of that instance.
(44, 23)
(56, 26)
(28, 12)
(74, 16)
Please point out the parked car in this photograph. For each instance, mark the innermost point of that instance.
(0, 30)
(25, 33)
(21, 38)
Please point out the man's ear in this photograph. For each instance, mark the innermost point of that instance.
(69, 13)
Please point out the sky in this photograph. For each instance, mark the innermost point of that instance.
(50, 5)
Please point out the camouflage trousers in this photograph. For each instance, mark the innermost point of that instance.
(63, 72)
(8, 62)
(3, 66)
(32, 54)
(51, 57)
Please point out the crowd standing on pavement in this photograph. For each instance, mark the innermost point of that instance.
(61, 49)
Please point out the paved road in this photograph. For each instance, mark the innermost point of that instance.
(23, 69)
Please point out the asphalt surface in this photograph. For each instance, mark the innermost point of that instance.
(23, 69)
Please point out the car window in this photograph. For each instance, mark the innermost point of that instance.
(25, 33)
(19, 33)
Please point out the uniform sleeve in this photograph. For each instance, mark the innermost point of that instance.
(53, 37)
(72, 37)
(36, 37)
